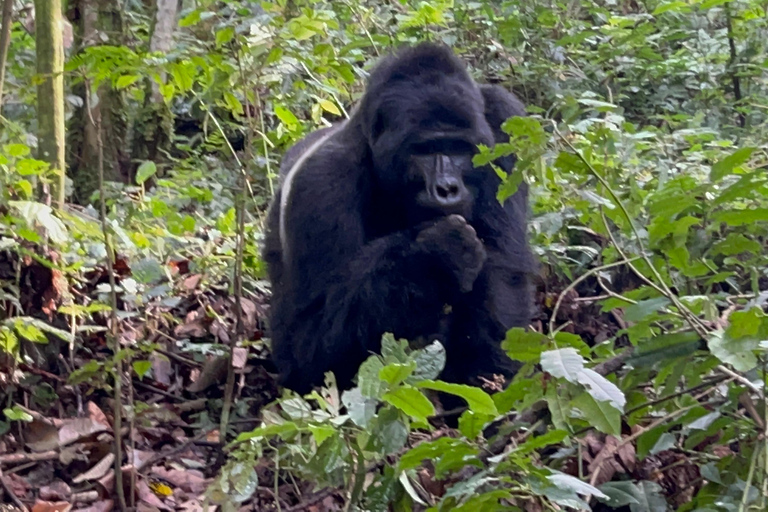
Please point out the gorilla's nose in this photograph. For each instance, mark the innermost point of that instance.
(448, 191)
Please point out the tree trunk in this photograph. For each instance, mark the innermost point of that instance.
(5, 42)
(154, 126)
(94, 19)
(50, 91)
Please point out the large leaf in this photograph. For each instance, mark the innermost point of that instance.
(478, 400)
(602, 389)
(411, 401)
(600, 415)
(563, 363)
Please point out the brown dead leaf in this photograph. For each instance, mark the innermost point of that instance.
(161, 368)
(191, 282)
(97, 471)
(212, 436)
(195, 505)
(140, 458)
(239, 357)
(58, 490)
(50, 506)
(194, 329)
(16, 484)
(41, 436)
(98, 416)
(214, 371)
(79, 428)
(99, 506)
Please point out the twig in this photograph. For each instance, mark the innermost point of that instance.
(578, 280)
(114, 333)
(313, 499)
(22, 458)
(9, 492)
(160, 456)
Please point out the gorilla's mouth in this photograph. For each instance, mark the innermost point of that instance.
(433, 208)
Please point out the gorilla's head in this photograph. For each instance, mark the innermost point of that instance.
(423, 117)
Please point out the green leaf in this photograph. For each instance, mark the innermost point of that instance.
(224, 36)
(321, 432)
(745, 323)
(29, 331)
(538, 442)
(602, 389)
(411, 401)
(361, 410)
(637, 312)
(563, 363)
(600, 415)
(126, 80)
(146, 170)
(736, 352)
(430, 361)
(39, 324)
(142, 368)
(620, 494)
(478, 400)
(723, 167)
(330, 106)
(741, 217)
(396, 373)
(525, 346)
(42, 214)
(571, 483)
(368, 379)
(286, 116)
(16, 150)
(471, 423)
(16, 413)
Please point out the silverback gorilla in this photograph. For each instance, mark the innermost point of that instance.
(382, 224)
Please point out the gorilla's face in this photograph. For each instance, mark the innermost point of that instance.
(436, 170)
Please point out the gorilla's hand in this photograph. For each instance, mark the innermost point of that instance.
(454, 242)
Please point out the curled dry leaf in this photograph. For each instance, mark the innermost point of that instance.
(58, 490)
(97, 471)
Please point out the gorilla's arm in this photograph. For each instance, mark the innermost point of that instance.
(501, 296)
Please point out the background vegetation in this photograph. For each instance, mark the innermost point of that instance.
(646, 151)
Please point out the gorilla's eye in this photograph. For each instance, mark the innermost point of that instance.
(443, 147)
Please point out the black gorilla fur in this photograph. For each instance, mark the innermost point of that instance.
(362, 256)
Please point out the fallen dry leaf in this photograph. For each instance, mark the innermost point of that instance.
(99, 506)
(98, 416)
(97, 471)
(79, 428)
(50, 506)
(148, 497)
(58, 490)
(41, 436)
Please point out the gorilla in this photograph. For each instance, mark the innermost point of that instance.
(382, 224)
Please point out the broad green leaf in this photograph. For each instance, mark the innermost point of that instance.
(368, 379)
(146, 170)
(637, 312)
(601, 415)
(736, 352)
(571, 483)
(321, 432)
(471, 423)
(535, 443)
(723, 167)
(286, 116)
(29, 331)
(39, 324)
(224, 36)
(620, 494)
(142, 368)
(563, 363)
(126, 80)
(525, 346)
(741, 217)
(478, 400)
(361, 410)
(42, 214)
(396, 373)
(430, 361)
(411, 401)
(16, 150)
(602, 389)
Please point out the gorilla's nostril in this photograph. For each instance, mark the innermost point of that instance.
(443, 192)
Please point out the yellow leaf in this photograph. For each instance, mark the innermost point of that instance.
(329, 106)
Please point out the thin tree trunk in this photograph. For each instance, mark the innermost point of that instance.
(50, 91)
(154, 126)
(5, 42)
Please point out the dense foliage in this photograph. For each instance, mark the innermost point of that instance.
(646, 152)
